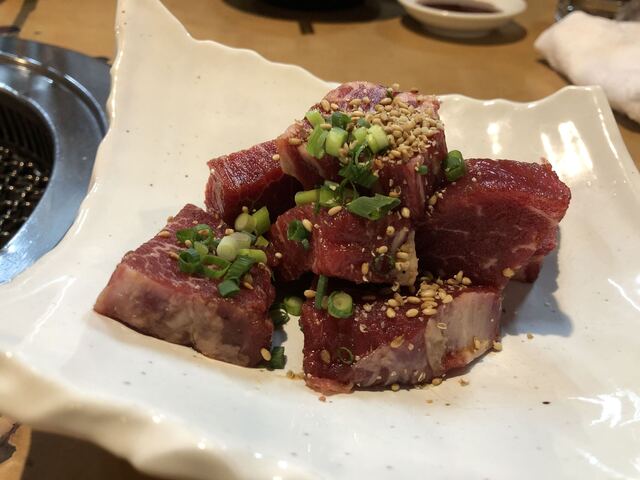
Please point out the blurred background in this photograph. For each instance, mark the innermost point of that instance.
(337, 40)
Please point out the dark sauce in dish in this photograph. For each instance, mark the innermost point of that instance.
(465, 7)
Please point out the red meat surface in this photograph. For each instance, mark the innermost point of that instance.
(371, 349)
(495, 223)
(149, 293)
(342, 243)
(250, 178)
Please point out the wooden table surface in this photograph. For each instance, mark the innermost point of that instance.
(373, 41)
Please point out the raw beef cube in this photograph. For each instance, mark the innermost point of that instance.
(149, 293)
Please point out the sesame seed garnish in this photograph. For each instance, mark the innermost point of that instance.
(397, 342)
(295, 141)
(395, 387)
(278, 255)
(335, 210)
(367, 307)
(325, 126)
(383, 249)
(529, 336)
(173, 255)
(266, 354)
(188, 243)
(429, 311)
(247, 285)
(463, 382)
(229, 231)
(275, 157)
(170, 218)
(364, 268)
(412, 312)
(497, 346)
(306, 223)
(436, 381)
(405, 212)
(363, 328)
(322, 398)
(414, 300)
(334, 106)
(476, 343)
(508, 272)
(392, 302)
(441, 325)
(391, 313)
(326, 106)
(447, 299)
(466, 281)
(402, 255)
(309, 293)
(325, 356)
(164, 233)
(385, 101)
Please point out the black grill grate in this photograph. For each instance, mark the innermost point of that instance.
(26, 160)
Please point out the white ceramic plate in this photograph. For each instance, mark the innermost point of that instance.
(177, 102)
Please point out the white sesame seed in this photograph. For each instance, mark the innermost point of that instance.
(188, 243)
(229, 231)
(405, 212)
(412, 312)
(391, 313)
(164, 233)
(436, 381)
(334, 106)
(309, 293)
(335, 210)
(266, 354)
(363, 328)
(466, 281)
(508, 272)
(325, 356)
(294, 141)
(414, 300)
(497, 346)
(395, 387)
(383, 249)
(476, 343)
(429, 311)
(463, 382)
(392, 302)
(275, 157)
(173, 255)
(278, 255)
(402, 255)
(306, 223)
(364, 268)
(447, 299)
(326, 106)
(397, 342)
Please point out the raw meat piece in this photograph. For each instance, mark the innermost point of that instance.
(397, 174)
(340, 244)
(149, 293)
(497, 221)
(404, 349)
(250, 178)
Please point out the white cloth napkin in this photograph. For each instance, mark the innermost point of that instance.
(592, 50)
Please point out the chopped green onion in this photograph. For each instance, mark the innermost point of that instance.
(383, 264)
(423, 170)
(328, 198)
(296, 231)
(363, 123)
(201, 248)
(377, 138)
(189, 261)
(214, 273)
(321, 291)
(239, 267)
(278, 358)
(345, 355)
(305, 243)
(335, 139)
(242, 239)
(217, 261)
(359, 173)
(454, 166)
(261, 242)
(278, 315)
(255, 253)
(186, 234)
(360, 134)
(263, 222)
(315, 142)
(228, 288)
(372, 208)
(200, 228)
(228, 248)
(293, 305)
(315, 118)
(245, 223)
(340, 120)
(306, 197)
(340, 305)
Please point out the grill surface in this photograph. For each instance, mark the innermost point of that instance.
(26, 160)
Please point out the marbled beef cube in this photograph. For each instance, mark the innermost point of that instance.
(149, 293)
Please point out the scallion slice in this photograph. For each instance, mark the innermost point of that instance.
(261, 242)
(335, 139)
(201, 248)
(340, 305)
(189, 261)
(306, 197)
(242, 239)
(321, 291)
(363, 123)
(245, 223)
(315, 142)
(228, 288)
(255, 253)
(373, 208)
(377, 138)
(454, 166)
(423, 170)
(360, 134)
(340, 120)
(263, 222)
(278, 358)
(293, 305)
(228, 248)
(278, 315)
(315, 118)
(241, 265)
(296, 231)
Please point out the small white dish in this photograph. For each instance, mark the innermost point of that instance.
(451, 23)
